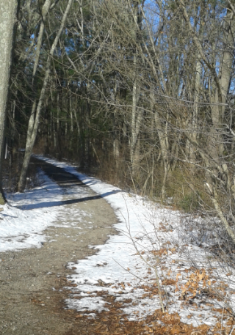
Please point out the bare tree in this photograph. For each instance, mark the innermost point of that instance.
(36, 112)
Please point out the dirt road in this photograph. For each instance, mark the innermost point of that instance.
(32, 281)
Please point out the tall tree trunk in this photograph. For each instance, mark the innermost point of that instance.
(7, 21)
(195, 110)
(136, 117)
(136, 113)
(220, 93)
(164, 145)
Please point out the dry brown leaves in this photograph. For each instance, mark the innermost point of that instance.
(115, 322)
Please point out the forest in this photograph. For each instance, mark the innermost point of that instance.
(139, 92)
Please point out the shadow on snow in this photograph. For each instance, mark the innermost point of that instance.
(48, 204)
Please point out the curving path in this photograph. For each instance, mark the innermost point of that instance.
(33, 281)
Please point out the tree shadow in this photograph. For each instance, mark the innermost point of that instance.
(48, 204)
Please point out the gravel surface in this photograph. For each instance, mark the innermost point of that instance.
(33, 281)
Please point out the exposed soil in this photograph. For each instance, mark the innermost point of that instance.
(32, 281)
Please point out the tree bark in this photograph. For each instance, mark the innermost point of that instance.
(136, 113)
(7, 21)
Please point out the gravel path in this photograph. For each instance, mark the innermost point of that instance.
(33, 281)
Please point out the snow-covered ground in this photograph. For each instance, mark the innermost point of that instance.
(28, 214)
(150, 249)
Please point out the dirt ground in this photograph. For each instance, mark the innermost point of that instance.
(33, 281)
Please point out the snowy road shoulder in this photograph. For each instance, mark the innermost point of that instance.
(23, 228)
(25, 216)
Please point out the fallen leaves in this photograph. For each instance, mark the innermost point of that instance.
(195, 283)
(191, 283)
(114, 322)
(168, 282)
(160, 252)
